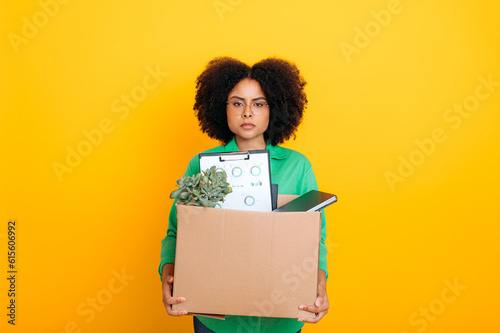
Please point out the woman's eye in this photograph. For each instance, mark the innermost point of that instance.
(238, 104)
(261, 104)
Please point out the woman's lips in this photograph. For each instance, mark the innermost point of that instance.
(248, 126)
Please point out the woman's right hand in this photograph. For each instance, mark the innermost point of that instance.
(167, 283)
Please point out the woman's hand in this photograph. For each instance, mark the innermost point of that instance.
(167, 283)
(321, 306)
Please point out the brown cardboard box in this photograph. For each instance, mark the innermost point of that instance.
(232, 262)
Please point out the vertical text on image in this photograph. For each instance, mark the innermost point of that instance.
(12, 249)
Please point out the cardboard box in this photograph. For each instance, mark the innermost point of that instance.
(232, 262)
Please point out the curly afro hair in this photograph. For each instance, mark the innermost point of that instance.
(279, 79)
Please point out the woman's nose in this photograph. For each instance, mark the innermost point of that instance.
(247, 112)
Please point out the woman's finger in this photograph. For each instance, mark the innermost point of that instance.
(176, 313)
(175, 300)
(310, 308)
(314, 320)
(314, 308)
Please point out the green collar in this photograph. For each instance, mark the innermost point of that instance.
(276, 152)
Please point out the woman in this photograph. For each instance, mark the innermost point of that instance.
(251, 108)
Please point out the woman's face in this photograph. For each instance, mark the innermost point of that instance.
(248, 124)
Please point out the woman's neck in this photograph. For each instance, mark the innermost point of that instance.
(254, 144)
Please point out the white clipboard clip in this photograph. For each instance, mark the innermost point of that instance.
(236, 156)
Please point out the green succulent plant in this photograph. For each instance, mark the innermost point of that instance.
(204, 189)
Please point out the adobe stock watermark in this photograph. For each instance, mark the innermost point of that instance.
(292, 279)
(364, 36)
(121, 106)
(425, 315)
(31, 26)
(87, 310)
(223, 6)
(453, 117)
(331, 245)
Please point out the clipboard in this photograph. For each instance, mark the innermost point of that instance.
(248, 174)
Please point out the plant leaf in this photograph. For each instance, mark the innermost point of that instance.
(175, 193)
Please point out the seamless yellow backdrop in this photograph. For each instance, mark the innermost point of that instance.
(96, 124)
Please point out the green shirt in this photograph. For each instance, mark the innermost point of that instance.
(293, 173)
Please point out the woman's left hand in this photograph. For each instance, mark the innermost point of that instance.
(321, 306)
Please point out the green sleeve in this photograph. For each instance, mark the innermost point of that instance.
(168, 243)
(308, 185)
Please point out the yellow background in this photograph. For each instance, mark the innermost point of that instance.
(391, 249)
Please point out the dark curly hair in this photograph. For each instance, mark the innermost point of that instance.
(280, 81)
